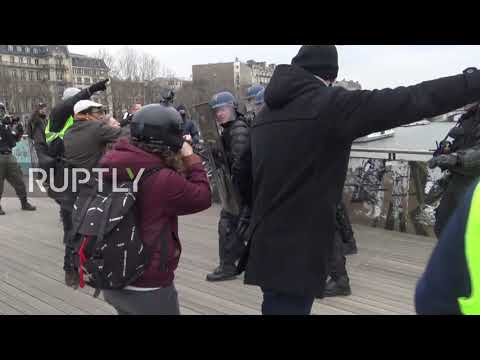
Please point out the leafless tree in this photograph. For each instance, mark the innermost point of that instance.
(109, 60)
(127, 61)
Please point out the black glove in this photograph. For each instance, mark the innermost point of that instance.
(99, 86)
(243, 223)
(443, 162)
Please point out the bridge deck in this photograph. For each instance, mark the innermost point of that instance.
(383, 274)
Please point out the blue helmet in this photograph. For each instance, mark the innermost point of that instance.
(253, 91)
(223, 99)
(260, 98)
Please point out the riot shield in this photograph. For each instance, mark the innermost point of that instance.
(217, 161)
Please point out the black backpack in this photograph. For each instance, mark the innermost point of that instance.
(108, 251)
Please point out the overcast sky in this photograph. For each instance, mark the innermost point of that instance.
(374, 66)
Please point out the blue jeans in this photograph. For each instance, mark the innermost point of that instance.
(282, 304)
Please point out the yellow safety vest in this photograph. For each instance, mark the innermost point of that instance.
(471, 305)
(50, 135)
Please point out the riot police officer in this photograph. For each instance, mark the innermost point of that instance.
(250, 102)
(235, 134)
(460, 160)
(10, 134)
(259, 101)
(344, 244)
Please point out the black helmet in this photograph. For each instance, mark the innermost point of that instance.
(224, 98)
(159, 125)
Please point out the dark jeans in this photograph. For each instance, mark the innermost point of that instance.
(281, 304)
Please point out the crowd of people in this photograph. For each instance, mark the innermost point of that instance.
(286, 158)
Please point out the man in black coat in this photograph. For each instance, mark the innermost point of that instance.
(462, 161)
(300, 146)
(235, 137)
(190, 130)
(36, 128)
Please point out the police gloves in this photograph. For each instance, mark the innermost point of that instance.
(444, 162)
(99, 86)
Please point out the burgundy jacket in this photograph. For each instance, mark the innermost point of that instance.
(162, 197)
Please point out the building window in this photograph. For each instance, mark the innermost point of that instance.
(36, 62)
(10, 47)
(79, 80)
(30, 75)
(27, 50)
(29, 61)
(12, 59)
(35, 51)
(23, 75)
(39, 75)
(14, 74)
(87, 80)
(59, 75)
(21, 60)
(19, 49)
(0, 58)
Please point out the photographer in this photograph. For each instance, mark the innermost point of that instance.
(11, 131)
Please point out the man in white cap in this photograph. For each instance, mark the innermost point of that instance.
(86, 139)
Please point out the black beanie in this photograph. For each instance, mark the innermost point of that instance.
(320, 60)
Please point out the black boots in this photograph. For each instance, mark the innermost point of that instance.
(223, 273)
(26, 206)
(341, 287)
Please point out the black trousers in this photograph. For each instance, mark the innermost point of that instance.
(10, 171)
(344, 225)
(337, 260)
(230, 246)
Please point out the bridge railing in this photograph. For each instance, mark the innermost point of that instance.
(391, 153)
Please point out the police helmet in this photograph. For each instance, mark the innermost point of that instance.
(260, 97)
(252, 91)
(223, 99)
(158, 124)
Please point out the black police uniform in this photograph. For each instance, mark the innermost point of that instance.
(9, 168)
(235, 138)
(464, 166)
(344, 244)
